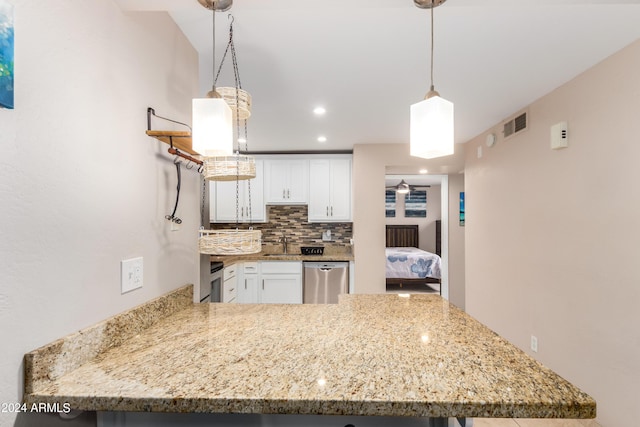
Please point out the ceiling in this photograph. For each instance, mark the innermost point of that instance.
(367, 61)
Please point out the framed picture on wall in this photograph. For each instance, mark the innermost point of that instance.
(6, 54)
(462, 208)
(390, 203)
(415, 204)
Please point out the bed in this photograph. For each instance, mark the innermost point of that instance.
(407, 266)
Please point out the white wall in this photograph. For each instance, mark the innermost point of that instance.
(82, 186)
(552, 236)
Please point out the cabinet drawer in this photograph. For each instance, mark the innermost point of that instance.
(229, 272)
(229, 290)
(281, 267)
(250, 268)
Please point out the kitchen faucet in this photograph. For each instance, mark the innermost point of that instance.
(283, 239)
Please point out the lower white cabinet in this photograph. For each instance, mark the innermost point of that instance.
(248, 284)
(230, 284)
(271, 282)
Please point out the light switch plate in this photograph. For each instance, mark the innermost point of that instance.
(131, 274)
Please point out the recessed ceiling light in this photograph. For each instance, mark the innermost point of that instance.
(423, 171)
(322, 139)
(319, 111)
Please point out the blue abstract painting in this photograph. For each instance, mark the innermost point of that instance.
(462, 208)
(415, 204)
(6, 54)
(390, 203)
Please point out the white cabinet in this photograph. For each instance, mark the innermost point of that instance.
(223, 199)
(248, 284)
(230, 284)
(281, 282)
(281, 289)
(270, 282)
(286, 181)
(330, 190)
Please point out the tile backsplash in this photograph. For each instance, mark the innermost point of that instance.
(292, 220)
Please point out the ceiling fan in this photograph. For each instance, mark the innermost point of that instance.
(404, 188)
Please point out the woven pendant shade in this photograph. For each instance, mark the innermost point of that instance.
(242, 99)
(229, 168)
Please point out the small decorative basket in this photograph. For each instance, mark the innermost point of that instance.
(243, 108)
(229, 168)
(230, 242)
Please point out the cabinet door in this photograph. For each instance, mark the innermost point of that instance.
(248, 289)
(276, 177)
(340, 208)
(286, 181)
(281, 289)
(258, 209)
(298, 185)
(225, 198)
(319, 189)
(225, 201)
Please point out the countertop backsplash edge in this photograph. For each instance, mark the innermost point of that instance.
(51, 361)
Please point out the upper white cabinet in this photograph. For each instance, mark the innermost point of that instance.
(223, 199)
(286, 181)
(330, 190)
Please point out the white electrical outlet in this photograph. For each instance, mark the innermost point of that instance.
(131, 274)
(534, 343)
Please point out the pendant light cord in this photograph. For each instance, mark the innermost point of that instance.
(213, 60)
(432, 6)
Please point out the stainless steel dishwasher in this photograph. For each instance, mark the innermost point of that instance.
(324, 281)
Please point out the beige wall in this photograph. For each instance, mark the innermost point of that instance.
(456, 243)
(552, 236)
(82, 186)
(426, 226)
(369, 162)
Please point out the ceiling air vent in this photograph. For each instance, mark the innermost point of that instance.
(515, 125)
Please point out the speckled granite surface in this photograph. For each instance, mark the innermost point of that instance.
(62, 356)
(368, 355)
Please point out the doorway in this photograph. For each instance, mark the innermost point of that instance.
(435, 200)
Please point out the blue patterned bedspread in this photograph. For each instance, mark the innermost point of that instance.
(412, 263)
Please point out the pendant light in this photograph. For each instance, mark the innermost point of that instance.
(431, 124)
(212, 133)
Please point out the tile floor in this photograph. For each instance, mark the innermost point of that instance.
(526, 422)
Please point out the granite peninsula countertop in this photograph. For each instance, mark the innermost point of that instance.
(375, 355)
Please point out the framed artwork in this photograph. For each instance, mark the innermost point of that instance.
(6, 54)
(415, 204)
(390, 203)
(462, 208)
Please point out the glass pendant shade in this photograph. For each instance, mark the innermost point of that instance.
(212, 133)
(431, 123)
